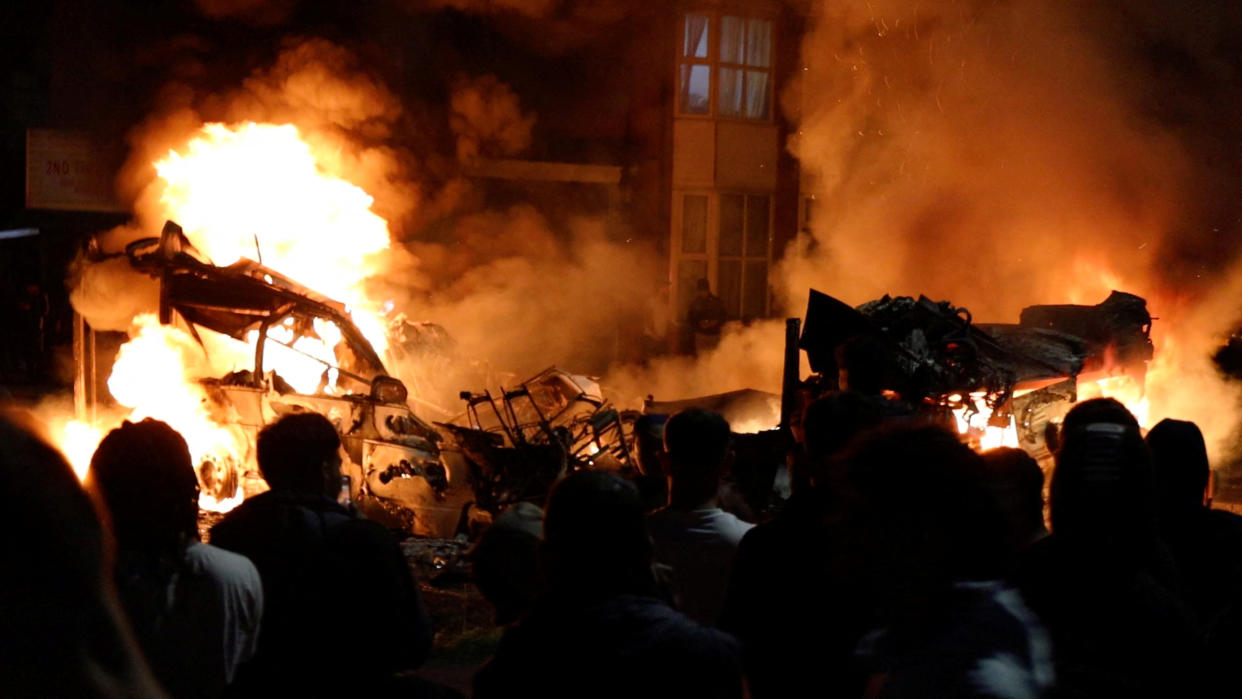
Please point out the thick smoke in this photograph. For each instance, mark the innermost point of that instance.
(747, 357)
(957, 147)
(487, 118)
(1001, 154)
(516, 290)
(518, 297)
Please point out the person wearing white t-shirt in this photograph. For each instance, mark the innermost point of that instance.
(692, 536)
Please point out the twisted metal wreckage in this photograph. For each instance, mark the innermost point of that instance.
(403, 471)
(1027, 372)
(425, 478)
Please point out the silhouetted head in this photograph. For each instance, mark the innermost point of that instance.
(832, 421)
(861, 365)
(1180, 458)
(301, 452)
(920, 515)
(1017, 483)
(61, 628)
(702, 287)
(828, 425)
(1102, 496)
(595, 537)
(504, 562)
(144, 475)
(1097, 410)
(696, 442)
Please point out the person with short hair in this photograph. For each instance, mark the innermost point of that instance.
(504, 561)
(1017, 483)
(195, 608)
(862, 369)
(343, 612)
(598, 627)
(1206, 544)
(692, 535)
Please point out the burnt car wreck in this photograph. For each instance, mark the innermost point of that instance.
(403, 472)
(1027, 373)
(395, 465)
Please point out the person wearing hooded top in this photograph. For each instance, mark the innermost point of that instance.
(343, 613)
(1102, 581)
(598, 627)
(1206, 544)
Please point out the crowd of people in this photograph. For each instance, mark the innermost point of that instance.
(904, 564)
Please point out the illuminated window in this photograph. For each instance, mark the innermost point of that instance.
(695, 70)
(731, 56)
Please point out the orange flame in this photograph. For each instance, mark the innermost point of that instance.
(258, 190)
(250, 190)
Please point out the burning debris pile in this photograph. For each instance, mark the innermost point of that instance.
(1004, 383)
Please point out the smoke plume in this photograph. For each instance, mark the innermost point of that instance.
(1001, 154)
(517, 290)
(487, 118)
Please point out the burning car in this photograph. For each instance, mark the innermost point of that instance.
(395, 467)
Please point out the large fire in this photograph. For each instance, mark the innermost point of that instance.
(258, 191)
(261, 191)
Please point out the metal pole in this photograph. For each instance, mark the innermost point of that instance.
(792, 375)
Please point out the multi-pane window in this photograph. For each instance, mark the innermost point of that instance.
(733, 257)
(742, 254)
(725, 66)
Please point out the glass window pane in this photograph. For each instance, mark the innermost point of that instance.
(730, 103)
(755, 286)
(759, 43)
(689, 272)
(694, 223)
(695, 83)
(757, 103)
(729, 286)
(730, 242)
(731, 38)
(694, 41)
(757, 226)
